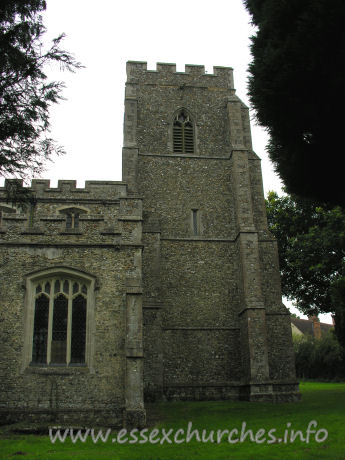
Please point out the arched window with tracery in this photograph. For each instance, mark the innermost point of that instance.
(183, 133)
(59, 326)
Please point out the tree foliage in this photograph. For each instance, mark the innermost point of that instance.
(319, 358)
(338, 302)
(296, 86)
(311, 242)
(25, 92)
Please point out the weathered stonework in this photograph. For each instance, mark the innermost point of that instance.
(212, 300)
(184, 296)
(106, 247)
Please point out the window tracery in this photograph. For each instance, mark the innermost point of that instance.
(60, 313)
(183, 133)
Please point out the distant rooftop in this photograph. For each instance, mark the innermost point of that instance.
(306, 326)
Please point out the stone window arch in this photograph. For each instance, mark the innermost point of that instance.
(183, 132)
(72, 215)
(59, 318)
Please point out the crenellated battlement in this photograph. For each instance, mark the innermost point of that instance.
(165, 73)
(105, 213)
(92, 189)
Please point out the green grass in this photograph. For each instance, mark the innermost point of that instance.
(323, 402)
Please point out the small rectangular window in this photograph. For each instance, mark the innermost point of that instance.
(76, 220)
(72, 220)
(69, 221)
(195, 223)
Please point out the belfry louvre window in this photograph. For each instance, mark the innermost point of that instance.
(59, 329)
(183, 133)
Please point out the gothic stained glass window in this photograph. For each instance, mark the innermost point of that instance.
(78, 329)
(47, 288)
(183, 133)
(59, 333)
(39, 345)
(65, 287)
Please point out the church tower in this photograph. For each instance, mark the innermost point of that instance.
(162, 286)
(214, 323)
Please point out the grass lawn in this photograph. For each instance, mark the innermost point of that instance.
(322, 402)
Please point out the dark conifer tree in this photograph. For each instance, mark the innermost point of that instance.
(296, 86)
(25, 92)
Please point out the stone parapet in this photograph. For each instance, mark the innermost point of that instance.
(105, 214)
(194, 75)
(68, 188)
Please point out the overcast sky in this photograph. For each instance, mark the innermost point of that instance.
(103, 35)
